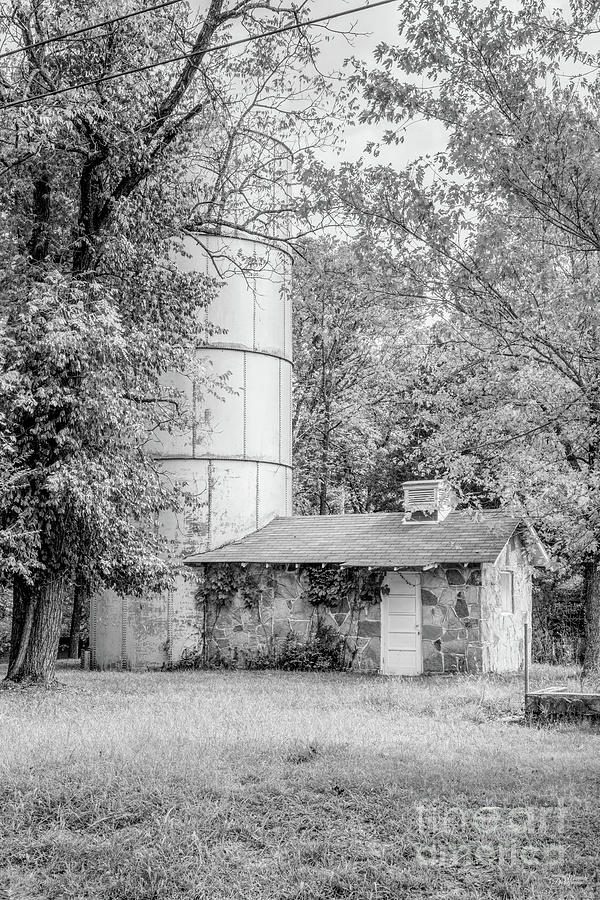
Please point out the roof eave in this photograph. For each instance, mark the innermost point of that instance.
(536, 552)
(196, 558)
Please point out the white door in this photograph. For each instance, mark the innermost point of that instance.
(401, 652)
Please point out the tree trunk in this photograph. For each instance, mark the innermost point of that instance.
(80, 595)
(323, 492)
(591, 582)
(18, 618)
(22, 620)
(324, 475)
(34, 658)
(40, 233)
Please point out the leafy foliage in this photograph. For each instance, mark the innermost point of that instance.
(494, 236)
(332, 586)
(97, 186)
(323, 651)
(351, 447)
(220, 582)
(324, 647)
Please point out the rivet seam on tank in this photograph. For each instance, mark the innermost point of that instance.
(207, 337)
(124, 611)
(284, 293)
(254, 312)
(280, 411)
(93, 628)
(170, 627)
(257, 492)
(194, 424)
(209, 505)
(245, 407)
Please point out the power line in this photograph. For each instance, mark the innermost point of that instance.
(68, 34)
(24, 101)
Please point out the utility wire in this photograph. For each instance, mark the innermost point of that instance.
(24, 101)
(68, 34)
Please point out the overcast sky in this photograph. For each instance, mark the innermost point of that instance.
(371, 28)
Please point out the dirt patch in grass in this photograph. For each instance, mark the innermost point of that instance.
(270, 785)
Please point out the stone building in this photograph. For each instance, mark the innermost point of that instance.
(453, 589)
(453, 594)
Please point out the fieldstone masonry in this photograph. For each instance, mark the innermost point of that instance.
(467, 626)
(238, 633)
(451, 599)
(502, 629)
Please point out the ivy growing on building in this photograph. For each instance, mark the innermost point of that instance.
(218, 585)
(331, 586)
(322, 587)
(327, 586)
(221, 582)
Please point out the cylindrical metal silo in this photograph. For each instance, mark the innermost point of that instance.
(234, 453)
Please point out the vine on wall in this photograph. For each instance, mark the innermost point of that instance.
(332, 586)
(323, 587)
(327, 586)
(218, 585)
(220, 582)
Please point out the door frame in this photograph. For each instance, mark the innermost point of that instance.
(418, 622)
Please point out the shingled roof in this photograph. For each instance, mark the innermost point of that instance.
(375, 539)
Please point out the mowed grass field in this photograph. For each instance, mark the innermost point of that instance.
(261, 785)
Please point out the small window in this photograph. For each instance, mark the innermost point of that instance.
(507, 590)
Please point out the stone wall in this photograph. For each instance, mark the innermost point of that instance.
(465, 626)
(452, 628)
(455, 637)
(502, 630)
(239, 635)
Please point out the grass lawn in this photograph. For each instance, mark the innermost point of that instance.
(261, 785)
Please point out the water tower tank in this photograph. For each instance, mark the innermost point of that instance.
(234, 453)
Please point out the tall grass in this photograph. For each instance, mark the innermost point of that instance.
(291, 785)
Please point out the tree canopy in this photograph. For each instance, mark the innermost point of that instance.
(97, 186)
(496, 236)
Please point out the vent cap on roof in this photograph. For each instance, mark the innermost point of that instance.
(427, 501)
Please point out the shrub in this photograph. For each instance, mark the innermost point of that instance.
(324, 651)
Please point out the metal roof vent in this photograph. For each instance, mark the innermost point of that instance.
(427, 501)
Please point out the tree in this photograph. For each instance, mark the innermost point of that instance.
(350, 385)
(97, 186)
(497, 235)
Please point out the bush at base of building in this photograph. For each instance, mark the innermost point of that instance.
(324, 651)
